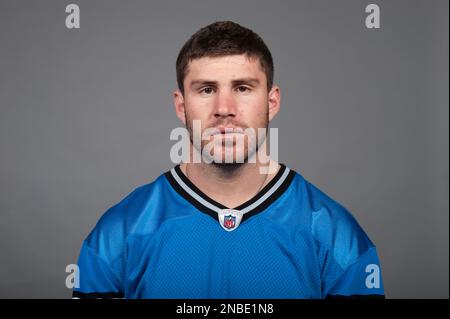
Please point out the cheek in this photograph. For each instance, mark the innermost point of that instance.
(197, 108)
(255, 112)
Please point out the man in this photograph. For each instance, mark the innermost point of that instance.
(218, 229)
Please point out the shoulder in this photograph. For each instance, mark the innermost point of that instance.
(333, 227)
(125, 217)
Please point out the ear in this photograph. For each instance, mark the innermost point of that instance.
(274, 101)
(178, 101)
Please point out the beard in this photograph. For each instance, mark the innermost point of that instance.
(240, 155)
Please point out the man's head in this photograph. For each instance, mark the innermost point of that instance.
(225, 80)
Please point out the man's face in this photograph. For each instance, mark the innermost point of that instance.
(227, 93)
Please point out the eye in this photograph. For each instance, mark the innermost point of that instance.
(243, 89)
(207, 90)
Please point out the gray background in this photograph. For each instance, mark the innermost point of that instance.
(86, 116)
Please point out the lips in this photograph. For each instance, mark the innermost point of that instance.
(228, 130)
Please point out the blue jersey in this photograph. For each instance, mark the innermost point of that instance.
(168, 239)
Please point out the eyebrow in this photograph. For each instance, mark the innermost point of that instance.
(253, 81)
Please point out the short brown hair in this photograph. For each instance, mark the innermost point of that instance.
(224, 38)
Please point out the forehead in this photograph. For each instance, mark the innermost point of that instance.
(231, 66)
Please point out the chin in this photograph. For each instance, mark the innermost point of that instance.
(239, 156)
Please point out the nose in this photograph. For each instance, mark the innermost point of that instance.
(225, 105)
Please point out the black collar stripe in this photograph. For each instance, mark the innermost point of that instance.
(193, 194)
(272, 191)
(268, 193)
(206, 201)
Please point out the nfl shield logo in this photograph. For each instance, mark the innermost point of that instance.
(229, 218)
(229, 221)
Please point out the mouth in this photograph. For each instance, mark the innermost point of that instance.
(227, 130)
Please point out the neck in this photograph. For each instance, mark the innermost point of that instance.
(229, 184)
